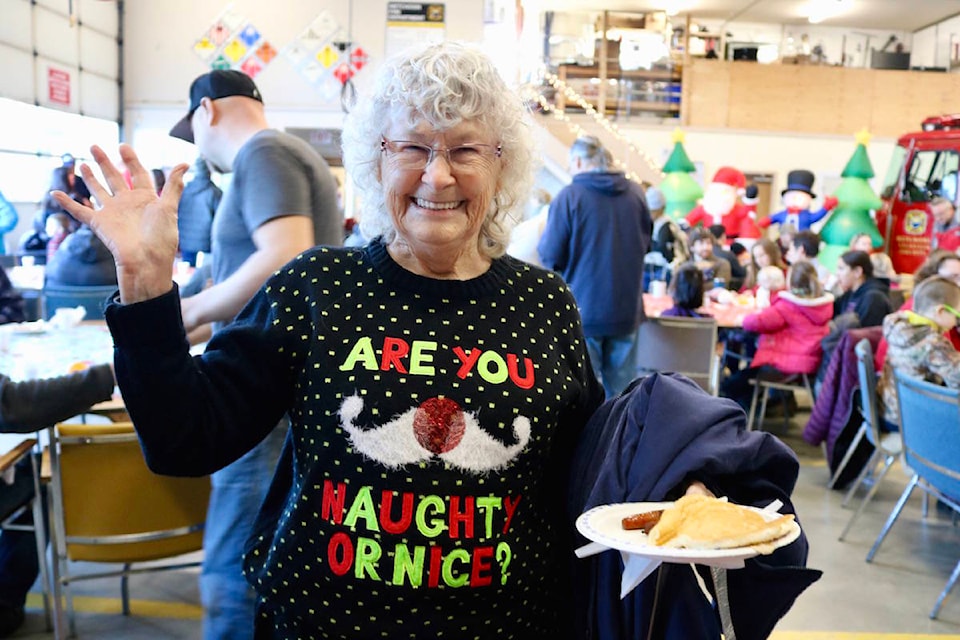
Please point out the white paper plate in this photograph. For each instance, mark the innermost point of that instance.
(28, 328)
(604, 525)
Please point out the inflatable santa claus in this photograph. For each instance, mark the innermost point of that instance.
(722, 204)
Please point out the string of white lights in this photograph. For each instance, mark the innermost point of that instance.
(571, 95)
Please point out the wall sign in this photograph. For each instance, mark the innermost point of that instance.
(233, 42)
(413, 23)
(58, 86)
(325, 56)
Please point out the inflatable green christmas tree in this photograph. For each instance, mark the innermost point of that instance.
(680, 190)
(856, 200)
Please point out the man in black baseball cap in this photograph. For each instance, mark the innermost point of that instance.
(281, 201)
(217, 84)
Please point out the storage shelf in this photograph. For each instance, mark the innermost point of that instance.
(623, 97)
(578, 72)
(644, 105)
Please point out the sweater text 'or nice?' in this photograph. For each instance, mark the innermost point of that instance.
(465, 518)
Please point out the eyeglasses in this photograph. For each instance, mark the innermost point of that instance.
(465, 158)
(952, 310)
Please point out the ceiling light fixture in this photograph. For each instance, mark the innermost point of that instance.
(673, 7)
(820, 10)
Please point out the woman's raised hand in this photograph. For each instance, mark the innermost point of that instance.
(138, 227)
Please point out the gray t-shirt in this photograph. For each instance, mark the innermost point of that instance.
(274, 174)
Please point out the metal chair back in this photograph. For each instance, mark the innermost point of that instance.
(868, 391)
(680, 345)
(91, 298)
(887, 446)
(930, 426)
(108, 507)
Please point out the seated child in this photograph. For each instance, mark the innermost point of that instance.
(790, 332)
(916, 344)
(686, 288)
(740, 345)
(770, 281)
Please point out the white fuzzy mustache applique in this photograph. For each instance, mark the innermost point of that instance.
(438, 427)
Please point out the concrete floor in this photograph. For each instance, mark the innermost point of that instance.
(889, 599)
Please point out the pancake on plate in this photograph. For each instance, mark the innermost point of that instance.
(701, 522)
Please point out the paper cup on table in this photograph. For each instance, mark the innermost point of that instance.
(658, 288)
(67, 318)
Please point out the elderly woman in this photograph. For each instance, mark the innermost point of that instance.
(435, 386)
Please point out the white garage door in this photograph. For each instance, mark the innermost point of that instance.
(62, 54)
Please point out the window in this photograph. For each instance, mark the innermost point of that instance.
(31, 150)
(925, 178)
(893, 172)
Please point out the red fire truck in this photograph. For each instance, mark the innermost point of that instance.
(923, 166)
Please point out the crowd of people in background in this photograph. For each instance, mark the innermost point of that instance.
(803, 306)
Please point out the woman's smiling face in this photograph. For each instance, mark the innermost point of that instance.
(439, 205)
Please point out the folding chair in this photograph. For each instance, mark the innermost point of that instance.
(19, 505)
(887, 446)
(783, 382)
(680, 345)
(109, 507)
(929, 419)
(91, 298)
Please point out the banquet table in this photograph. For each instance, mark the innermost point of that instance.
(38, 350)
(729, 315)
(33, 350)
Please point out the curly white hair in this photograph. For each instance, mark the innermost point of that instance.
(442, 84)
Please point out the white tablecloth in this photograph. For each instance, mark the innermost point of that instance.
(25, 354)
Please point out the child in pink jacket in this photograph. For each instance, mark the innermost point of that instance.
(790, 332)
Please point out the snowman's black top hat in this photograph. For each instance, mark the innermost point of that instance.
(800, 180)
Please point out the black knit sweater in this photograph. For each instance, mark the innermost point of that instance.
(419, 493)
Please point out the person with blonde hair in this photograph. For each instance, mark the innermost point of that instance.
(770, 282)
(883, 266)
